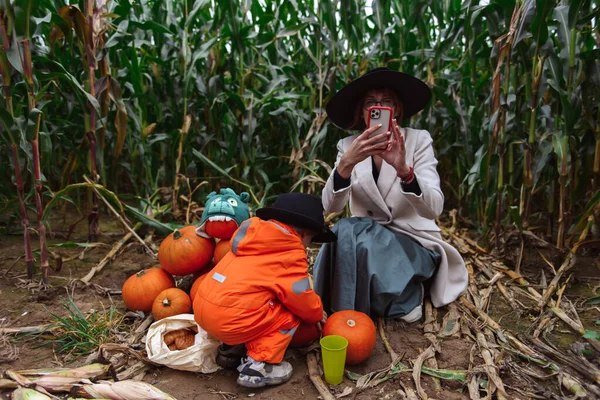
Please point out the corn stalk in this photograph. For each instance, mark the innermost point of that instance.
(90, 51)
(35, 117)
(5, 71)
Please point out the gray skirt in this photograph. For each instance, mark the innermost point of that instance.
(372, 269)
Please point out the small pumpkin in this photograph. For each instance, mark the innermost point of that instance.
(221, 249)
(183, 252)
(221, 229)
(171, 302)
(304, 335)
(358, 329)
(195, 287)
(141, 288)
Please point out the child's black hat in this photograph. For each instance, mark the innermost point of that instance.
(302, 210)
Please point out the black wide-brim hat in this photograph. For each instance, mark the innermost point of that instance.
(301, 210)
(413, 93)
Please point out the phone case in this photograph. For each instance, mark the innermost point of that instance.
(380, 115)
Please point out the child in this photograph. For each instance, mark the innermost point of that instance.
(259, 293)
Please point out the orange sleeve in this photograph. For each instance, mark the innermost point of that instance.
(292, 288)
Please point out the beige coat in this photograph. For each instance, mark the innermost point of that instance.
(401, 211)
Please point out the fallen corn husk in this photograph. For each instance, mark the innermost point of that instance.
(53, 384)
(29, 394)
(8, 384)
(60, 379)
(122, 390)
(90, 371)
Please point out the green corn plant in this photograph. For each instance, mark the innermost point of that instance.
(234, 93)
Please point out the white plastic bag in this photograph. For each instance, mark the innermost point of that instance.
(199, 357)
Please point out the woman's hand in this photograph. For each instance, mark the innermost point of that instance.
(361, 148)
(321, 323)
(395, 154)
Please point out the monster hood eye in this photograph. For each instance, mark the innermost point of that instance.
(233, 202)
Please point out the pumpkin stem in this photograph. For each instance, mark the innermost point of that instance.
(176, 234)
(166, 302)
(351, 323)
(142, 272)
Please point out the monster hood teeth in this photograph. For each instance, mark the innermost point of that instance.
(223, 214)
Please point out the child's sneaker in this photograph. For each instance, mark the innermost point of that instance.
(256, 374)
(229, 357)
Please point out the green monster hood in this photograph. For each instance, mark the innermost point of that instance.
(224, 206)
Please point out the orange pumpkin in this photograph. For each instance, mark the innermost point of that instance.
(358, 329)
(222, 248)
(171, 302)
(195, 286)
(304, 335)
(140, 289)
(183, 252)
(221, 229)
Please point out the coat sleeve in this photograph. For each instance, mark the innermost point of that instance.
(334, 201)
(430, 202)
(293, 290)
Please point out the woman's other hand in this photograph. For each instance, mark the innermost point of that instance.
(362, 147)
(395, 153)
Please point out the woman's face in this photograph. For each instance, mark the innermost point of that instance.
(380, 97)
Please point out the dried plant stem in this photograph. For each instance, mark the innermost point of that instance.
(315, 377)
(110, 256)
(92, 65)
(521, 281)
(576, 326)
(580, 364)
(556, 310)
(545, 320)
(496, 327)
(122, 220)
(490, 367)
(135, 372)
(521, 253)
(187, 121)
(386, 343)
(40, 209)
(24, 329)
(566, 265)
(141, 329)
(23, 211)
(496, 280)
(430, 327)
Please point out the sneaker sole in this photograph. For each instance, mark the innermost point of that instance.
(263, 381)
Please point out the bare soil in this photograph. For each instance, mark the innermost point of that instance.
(22, 305)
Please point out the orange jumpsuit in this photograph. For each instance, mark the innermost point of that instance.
(259, 293)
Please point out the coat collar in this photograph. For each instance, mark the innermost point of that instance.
(376, 192)
(387, 177)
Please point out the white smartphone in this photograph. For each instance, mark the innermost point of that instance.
(380, 115)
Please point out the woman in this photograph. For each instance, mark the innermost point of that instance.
(391, 245)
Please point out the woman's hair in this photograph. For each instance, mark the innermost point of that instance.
(358, 114)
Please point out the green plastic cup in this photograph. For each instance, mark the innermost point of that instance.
(333, 352)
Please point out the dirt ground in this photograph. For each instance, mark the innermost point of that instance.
(22, 306)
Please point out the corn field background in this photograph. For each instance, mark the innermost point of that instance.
(151, 104)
